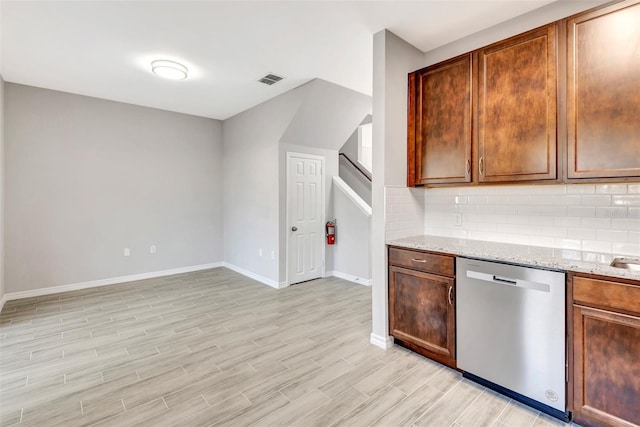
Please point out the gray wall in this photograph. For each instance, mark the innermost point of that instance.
(351, 253)
(327, 117)
(251, 184)
(536, 18)
(355, 179)
(87, 177)
(350, 174)
(2, 173)
(393, 58)
(350, 147)
(303, 120)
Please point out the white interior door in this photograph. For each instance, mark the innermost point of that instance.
(305, 219)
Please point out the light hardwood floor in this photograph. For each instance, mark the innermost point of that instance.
(215, 348)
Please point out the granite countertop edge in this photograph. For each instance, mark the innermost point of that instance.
(534, 256)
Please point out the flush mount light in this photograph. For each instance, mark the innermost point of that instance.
(169, 69)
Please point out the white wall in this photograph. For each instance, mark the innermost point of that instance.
(393, 58)
(2, 173)
(599, 219)
(351, 253)
(87, 177)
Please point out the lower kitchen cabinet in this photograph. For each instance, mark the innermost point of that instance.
(422, 304)
(605, 341)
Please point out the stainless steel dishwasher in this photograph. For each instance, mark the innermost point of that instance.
(510, 331)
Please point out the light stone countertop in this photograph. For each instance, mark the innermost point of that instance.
(534, 256)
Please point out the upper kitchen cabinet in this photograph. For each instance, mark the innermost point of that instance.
(517, 108)
(440, 122)
(603, 92)
(508, 92)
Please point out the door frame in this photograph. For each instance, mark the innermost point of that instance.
(290, 155)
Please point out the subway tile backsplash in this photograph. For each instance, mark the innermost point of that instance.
(602, 220)
(404, 212)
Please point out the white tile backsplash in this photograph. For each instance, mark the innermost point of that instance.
(612, 189)
(596, 218)
(580, 189)
(626, 200)
(404, 211)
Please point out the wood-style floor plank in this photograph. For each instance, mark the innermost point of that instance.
(216, 348)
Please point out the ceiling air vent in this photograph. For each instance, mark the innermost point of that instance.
(270, 79)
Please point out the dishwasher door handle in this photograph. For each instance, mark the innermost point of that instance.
(505, 280)
(500, 280)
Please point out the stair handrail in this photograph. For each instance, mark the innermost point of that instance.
(366, 175)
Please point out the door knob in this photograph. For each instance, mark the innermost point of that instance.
(294, 228)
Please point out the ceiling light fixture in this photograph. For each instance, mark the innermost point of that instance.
(169, 69)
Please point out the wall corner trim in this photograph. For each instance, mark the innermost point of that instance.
(349, 277)
(352, 195)
(105, 282)
(254, 276)
(380, 341)
(2, 301)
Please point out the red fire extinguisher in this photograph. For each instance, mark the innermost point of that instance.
(331, 232)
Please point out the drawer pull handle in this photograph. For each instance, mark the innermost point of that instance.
(481, 165)
(468, 167)
(418, 260)
(450, 295)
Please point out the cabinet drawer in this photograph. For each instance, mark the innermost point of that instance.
(423, 261)
(605, 294)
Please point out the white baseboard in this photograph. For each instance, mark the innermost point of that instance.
(349, 277)
(105, 282)
(254, 276)
(2, 301)
(381, 341)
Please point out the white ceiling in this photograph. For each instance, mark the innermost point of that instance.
(104, 48)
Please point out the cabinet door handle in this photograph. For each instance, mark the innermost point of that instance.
(468, 167)
(481, 165)
(418, 260)
(450, 295)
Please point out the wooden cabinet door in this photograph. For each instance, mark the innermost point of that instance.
(443, 122)
(606, 368)
(422, 314)
(517, 108)
(603, 93)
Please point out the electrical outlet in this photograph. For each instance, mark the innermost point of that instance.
(457, 219)
(152, 249)
(127, 251)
